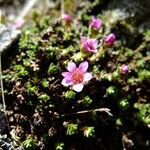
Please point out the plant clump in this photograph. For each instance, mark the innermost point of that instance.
(53, 106)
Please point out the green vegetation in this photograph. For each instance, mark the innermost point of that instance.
(39, 104)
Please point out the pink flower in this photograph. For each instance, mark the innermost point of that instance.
(96, 24)
(66, 18)
(89, 45)
(110, 39)
(18, 24)
(124, 69)
(76, 77)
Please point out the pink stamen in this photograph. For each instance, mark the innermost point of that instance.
(77, 76)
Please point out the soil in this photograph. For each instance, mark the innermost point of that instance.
(41, 112)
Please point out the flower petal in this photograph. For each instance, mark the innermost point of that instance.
(83, 39)
(84, 66)
(94, 50)
(66, 17)
(66, 82)
(95, 43)
(78, 87)
(87, 77)
(66, 74)
(71, 66)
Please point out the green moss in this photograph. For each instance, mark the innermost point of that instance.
(21, 71)
(26, 63)
(147, 35)
(112, 91)
(51, 45)
(144, 75)
(53, 69)
(115, 75)
(143, 114)
(124, 104)
(51, 53)
(59, 146)
(31, 90)
(96, 69)
(45, 83)
(7, 77)
(70, 95)
(30, 143)
(89, 131)
(87, 101)
(119, 122)
(129, 53)
(132, 81)
(140, 64)
(44, 97)
(71, 128)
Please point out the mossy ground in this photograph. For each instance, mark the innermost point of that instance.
(40, 109)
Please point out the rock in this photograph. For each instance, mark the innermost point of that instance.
(134, 12)
(5, 142)
(7, 37)
(127, 19)
(3, 124)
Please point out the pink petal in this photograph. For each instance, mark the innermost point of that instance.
(87, 77)
(66, 17)
(83, 39)
(66, 82)
(18, 24)
(71, 66)
(94, 50)
(86, 47)
(66, 74)
(78, 87)
(95, 43)
(84, 66)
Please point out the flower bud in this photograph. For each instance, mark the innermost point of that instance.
(124, 69)
(66, 18)
(89, 45)
(96, 24)
(18, 24)
(110, 39)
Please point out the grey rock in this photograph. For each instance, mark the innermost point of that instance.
(3, 124)
(7, 37)
(5, 142)
(136, 11)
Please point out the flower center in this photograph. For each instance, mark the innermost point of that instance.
(90, 45)
(77, 76)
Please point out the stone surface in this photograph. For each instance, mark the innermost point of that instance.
(134, 11)
(7, 37)
(5, 142)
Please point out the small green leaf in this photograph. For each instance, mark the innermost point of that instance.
(71, 129)
(70, 95)
(53, 69)
(87, 101)
(59, 146)
(89, 131)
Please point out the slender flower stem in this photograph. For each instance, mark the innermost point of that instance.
(27, 8)
(89, 32)
(62, 7)
(0, 16)
(1, 83)
(55, 82)
(126, 140)
(98, 54)
(123, 142)
(101, 42)
(90, 111)
(2, 91)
